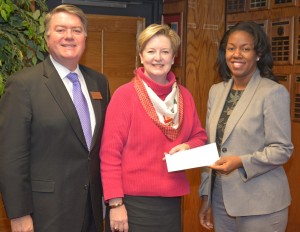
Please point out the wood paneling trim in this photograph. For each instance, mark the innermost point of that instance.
(171, 7)
(4, 221)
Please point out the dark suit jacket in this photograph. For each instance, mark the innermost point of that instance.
(45, 166)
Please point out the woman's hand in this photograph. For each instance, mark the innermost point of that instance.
(118, 217)
(227, 164)
(180, 147)
(204, 214)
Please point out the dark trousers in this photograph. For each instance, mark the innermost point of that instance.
(89, 224)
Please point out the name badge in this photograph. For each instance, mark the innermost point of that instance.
(96, 95)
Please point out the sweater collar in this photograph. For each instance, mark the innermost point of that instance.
(159, 89)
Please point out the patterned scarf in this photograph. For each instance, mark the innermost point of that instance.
(168, 114)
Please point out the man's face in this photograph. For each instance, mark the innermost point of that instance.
(66, 39)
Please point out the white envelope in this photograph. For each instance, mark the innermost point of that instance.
(197, 157)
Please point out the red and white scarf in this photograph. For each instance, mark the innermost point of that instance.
(167, 114)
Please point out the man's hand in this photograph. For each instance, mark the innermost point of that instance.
(22, 224)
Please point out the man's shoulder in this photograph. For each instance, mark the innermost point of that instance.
(30, 72)
(90, 71)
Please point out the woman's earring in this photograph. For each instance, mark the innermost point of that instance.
(257, 59)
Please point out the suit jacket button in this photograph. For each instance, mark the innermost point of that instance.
(224, 149)
(86, 186)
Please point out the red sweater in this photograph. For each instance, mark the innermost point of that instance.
(133, 146)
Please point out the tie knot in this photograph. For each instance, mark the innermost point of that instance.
(73, 77)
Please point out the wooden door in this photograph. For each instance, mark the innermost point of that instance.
(111, 47)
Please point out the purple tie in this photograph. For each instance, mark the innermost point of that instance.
(82, 108)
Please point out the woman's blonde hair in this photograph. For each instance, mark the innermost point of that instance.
(158, 29)
(67, 9)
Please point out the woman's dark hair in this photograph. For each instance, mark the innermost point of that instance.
(261, 46)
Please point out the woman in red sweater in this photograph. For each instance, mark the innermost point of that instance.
(146, 118)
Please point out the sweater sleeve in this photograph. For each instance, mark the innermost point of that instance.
(115, 133)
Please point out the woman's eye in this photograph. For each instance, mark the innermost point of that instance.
(246, 49)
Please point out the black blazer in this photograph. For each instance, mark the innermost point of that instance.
(45, 166)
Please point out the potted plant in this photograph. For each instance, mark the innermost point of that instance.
(22, 41)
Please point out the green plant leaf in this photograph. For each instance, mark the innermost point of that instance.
(22, 41)
(34, 60)
(40, 55)
(36, 14)
(4, 15)
(29, 54)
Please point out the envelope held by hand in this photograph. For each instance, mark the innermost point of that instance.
(196, 157)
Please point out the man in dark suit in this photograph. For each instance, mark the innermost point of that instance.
(49, 173)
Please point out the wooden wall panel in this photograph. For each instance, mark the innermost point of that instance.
(295, 98)
(4, 222)
(204, 22)
(92, 57)
(111, 47)
(205, 28)
(175, 7)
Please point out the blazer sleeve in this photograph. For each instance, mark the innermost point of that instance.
(15, 119)
(205, 171)
(277, 135)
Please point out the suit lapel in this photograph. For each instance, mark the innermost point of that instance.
(242, 104)
(96, 103)
(62, 98)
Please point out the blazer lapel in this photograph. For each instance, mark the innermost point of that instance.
(242, 104)
(216, 110)
(62, 98)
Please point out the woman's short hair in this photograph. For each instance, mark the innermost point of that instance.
(261, 46)
(158, 29)
(67, 9)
